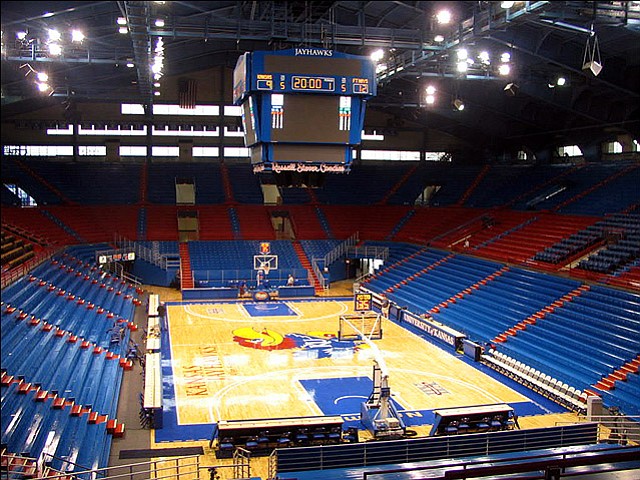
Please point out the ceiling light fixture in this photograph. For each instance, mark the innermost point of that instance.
(121, 21)
(504, 69)
(54, 35)
(438, 38)
(77, 36)
(443, 17)
(377, 55)
(458, 104)
(55, 49)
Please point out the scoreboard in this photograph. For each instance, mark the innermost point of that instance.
(302, 109)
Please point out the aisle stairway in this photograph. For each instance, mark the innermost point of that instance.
(306, 264)
(186, 276)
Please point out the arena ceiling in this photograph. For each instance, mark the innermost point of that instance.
(545, 40)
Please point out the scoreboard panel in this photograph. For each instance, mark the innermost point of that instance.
(303, 96)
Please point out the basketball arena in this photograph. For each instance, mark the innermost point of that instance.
(320, 240)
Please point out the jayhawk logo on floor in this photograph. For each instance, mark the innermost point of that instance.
(326, 344)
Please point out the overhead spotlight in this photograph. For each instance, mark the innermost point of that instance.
(21, 35)
(505, 57)
(506, 5)
(458, 104)
(121, 21)
(511, 89)
(123, 30)
(55, 49)
(156, 93)
(377, 55)
(77, 36)
(438, 38)
(430, 90)
(484, 57)
(42, 76)
(504, 69)
(130, 64)
(443, 17)
(159, 22)
(462, 53)
(431, 99)
(42, 87)
(54, 35)
(156, 84)
(462, 66)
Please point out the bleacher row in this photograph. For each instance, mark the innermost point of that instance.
(573, 332)
(603, 188)
(65, 333)
(619, 235)
(511, 237)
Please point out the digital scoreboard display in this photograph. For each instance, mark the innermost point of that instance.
(302, 106)
(286, 83)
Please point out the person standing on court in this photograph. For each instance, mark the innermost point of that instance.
(162, 315)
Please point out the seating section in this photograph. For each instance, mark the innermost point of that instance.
(244, 184)
(15, 250)
(429, 277)
(366, 184)
(254, 222)
(431, 225)
(65, 335)
(225, 263)
(517, 236)
(318, 248)
(502, 301)
(505, 183)
(161, 182)
(371, 223)
(579, 181)
(584, 340)
(214, 222)
(574, 333)
(619, 231)
(33, 223)
(614, 193)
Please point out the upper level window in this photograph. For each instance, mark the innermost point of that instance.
(570, 151)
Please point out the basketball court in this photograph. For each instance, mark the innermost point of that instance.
(261, 360)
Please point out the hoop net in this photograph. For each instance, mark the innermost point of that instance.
(365, 326)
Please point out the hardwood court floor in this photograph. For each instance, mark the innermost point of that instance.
(216, 377)
(228, 364)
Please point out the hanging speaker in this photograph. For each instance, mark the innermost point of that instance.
(593, 66)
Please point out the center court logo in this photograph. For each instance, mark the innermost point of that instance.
(325, 344)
